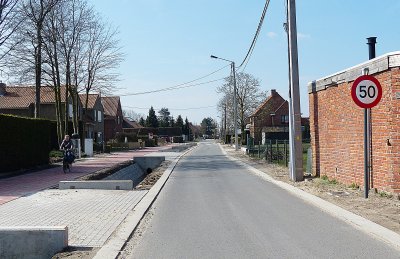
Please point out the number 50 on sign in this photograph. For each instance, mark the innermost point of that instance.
(366, 91)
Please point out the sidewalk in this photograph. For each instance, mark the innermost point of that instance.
(15, 187)
(91, 215)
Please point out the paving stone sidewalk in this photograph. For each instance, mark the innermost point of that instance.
(22, 185)
(91, 215)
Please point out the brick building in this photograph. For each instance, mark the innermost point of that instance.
(270, 119)
(93, 117)
(336, 124)
(112, 116)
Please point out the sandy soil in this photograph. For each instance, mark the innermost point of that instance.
(153, 177)
(381, 208)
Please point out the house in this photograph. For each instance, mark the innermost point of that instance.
(271, 119)
(19, 100)
(337, 126)
(112, 116)
(130, 124)
(93, 117)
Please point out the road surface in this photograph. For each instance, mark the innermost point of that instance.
(212, 207)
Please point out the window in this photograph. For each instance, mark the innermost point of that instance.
(285, 119)
(119, 120)
(99, 116)
(70, 110)
(95, 115)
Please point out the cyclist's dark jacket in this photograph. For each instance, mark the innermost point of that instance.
(66, 144)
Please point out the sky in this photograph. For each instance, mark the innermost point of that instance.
(169, 42)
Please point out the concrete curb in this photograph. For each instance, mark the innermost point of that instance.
(32, 242)
(119, 238)
(377, 231)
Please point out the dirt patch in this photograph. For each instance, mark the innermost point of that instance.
(381, 208)
(153, 177)
(103, 173)
(75, 253)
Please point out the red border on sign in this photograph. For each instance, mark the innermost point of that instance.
(354, 87)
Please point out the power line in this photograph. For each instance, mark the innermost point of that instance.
(172, 109)
(180, 86)
(253, 43)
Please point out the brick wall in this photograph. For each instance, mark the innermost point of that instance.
(337, 133)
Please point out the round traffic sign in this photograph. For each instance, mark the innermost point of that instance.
(366, 91)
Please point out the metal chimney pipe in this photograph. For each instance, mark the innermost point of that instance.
(371, 47)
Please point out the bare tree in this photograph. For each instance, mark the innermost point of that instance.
(132, 115)
(249, 97)
(9, 23)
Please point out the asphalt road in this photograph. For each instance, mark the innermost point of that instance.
(212, 207)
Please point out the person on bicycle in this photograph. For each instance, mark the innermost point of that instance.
(66, 145)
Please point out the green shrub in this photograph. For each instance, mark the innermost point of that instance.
(150, 142)
(178, 139)
(324, 177)
(24, 142)
(56, 153)
(107, 149)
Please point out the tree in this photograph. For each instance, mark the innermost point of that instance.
(151, 120)
(36, 11)
(132, 115)
(172, 122)
(179, 122)
(208, 126)
(186, 127)
(164, 117)
(9, 23)
(142, 122)
(249, 97)
(80, 52)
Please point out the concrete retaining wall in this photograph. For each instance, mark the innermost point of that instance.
(32, 242)
(151, 162)
(101, 184)
(132, 172)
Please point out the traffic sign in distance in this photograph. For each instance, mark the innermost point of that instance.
(366, 91)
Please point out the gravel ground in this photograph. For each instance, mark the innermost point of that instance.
(381, 208)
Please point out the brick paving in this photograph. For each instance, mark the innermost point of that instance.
(91, 215)
(21, 185)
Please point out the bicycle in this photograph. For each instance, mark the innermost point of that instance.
(67, 160)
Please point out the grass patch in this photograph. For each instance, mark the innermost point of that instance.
(354, 186)
(325, 179)
(385, 194)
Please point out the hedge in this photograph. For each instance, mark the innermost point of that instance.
(24, 142)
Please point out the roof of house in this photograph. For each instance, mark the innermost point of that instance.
(268, 101)
(111, 105)
(91, 100)
(126, 123)
(20, 97)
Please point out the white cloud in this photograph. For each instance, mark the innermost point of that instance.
(271, 34)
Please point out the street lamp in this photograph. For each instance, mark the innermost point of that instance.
(234, 99)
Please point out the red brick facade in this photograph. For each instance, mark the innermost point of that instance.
(336, 124)
(269, 115)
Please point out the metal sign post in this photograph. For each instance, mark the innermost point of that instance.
(366, 93)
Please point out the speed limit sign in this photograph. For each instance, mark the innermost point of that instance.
(366, 91)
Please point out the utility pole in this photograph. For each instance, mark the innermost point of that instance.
(235, 106)
(296, 168)
(225, 123)
(235, 119)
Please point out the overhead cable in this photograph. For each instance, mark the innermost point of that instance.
(253, 43)
(180, 86)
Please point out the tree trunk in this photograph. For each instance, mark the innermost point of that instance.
(38, 69)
